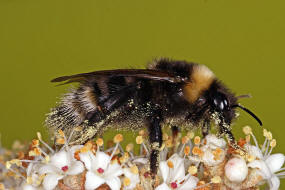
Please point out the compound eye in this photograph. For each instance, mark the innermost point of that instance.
(221, 106)
(216, 103)
(220, 102)
(226, 104)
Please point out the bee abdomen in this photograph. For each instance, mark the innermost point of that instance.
(73, 109)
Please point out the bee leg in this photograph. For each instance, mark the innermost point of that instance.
(174, 130)
(155, 138)
(227, 132)
(175, 138)
(205, 128)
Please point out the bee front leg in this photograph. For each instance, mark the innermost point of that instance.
(155, 138)
(224, 129)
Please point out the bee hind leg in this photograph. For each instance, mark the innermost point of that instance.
(155, 138)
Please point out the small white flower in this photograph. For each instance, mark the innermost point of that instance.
(33, 175)
(173, 173)
(269, 165)
(61, 164)
(213, 142)
(101, 171)
(133, 177)
(269, 169)
(214, 151)
(236, 169)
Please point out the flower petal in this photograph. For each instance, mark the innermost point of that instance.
(29, 187)
(140, 160)
(163, 186)
(253, 150)
(49, 168)
(75, 168)
(178, 172)
(101, 161)
(133, 177)
(208, 157)
(114, 183)
(87, 159)
(236, 169)
(51, 181)
(93, 181)
(214, 142)
(164, 170)
(274, 183)
(275, 162)
(261, 165)
(75, 148)
(113, 170)
(32, 168)
(190, 183)
(60, 159)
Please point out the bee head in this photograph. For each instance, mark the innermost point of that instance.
(219, 102)
(222, 101)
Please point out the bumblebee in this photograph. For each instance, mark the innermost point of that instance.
(167, 92)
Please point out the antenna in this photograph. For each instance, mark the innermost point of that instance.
(244, 96)
(249, 112)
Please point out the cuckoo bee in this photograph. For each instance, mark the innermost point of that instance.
(176, 93)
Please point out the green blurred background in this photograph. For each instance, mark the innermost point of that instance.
(241, 41)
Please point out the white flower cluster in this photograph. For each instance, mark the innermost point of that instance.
(187, 162)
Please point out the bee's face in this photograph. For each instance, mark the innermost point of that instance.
(219, 103)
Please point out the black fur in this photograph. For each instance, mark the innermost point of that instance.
(143, 101)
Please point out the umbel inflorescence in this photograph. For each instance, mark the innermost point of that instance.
(186, 162)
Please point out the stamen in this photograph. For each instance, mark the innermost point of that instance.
(216, 179)
(280, 170)
(45, 144)
(187, 150)
(70, 136)
(121, 148)
(247, 130)
(144, 146)
(201, 185)
(126, 181)
(114, 151)
(130, 147)
(99, 142)
(192, 170)
(255, 140)
(17, 173)
(181, 150)
(267, 148)
(190, 135)
(42, 151)
(197, 140)
(264, 145)
(30, 161)
(118, 138)
(280, 174)
(66, 141)
(170, 164)
(134, 169)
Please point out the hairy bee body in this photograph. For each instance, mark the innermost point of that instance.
(175, 93)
